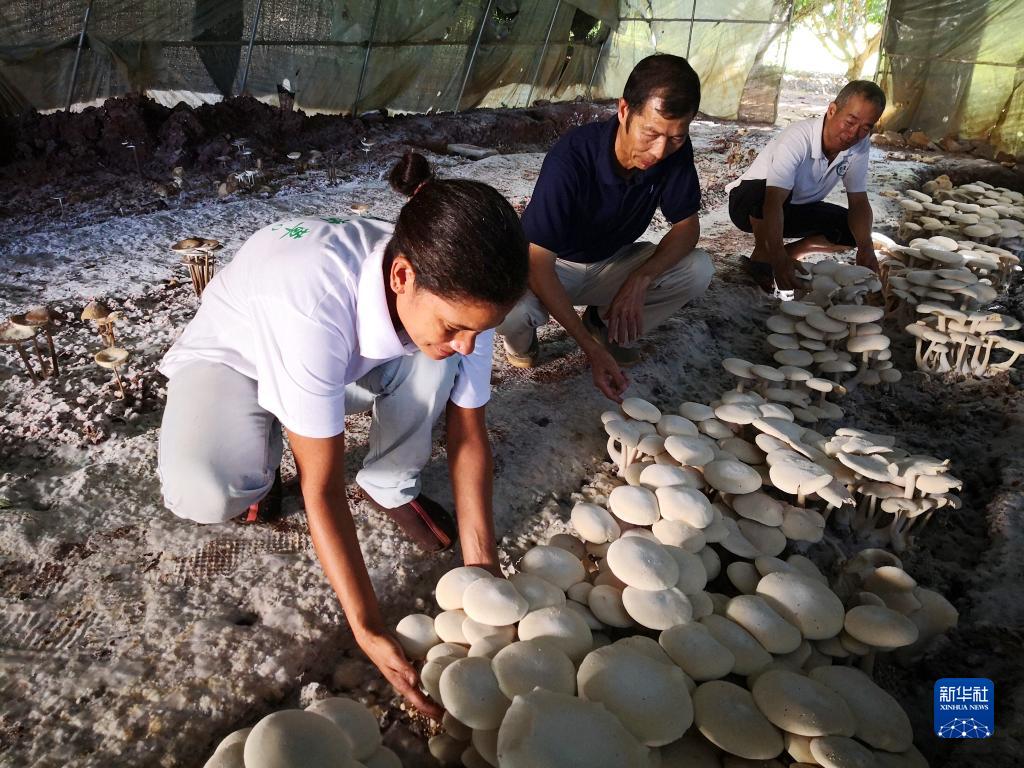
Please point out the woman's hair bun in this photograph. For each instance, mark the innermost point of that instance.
(409, 173)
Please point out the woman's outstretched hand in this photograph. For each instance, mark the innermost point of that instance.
(388, 656)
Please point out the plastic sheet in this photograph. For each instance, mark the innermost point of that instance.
(341, 56)
(956, 68)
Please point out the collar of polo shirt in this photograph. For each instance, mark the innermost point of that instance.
(606, 173)
(378, 339)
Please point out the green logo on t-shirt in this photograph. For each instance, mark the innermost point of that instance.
(295, 231)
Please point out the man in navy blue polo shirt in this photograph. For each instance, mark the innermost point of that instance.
(597, 193)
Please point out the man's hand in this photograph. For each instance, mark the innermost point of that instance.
(388, 656)
(608, 377)
(784, 269)
(625, 319)
(866, 258)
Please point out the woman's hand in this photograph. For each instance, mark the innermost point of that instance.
(387, 655)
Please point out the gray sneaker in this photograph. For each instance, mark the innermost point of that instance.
(527, 359)
(624, 356)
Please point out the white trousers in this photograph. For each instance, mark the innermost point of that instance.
(596, 285)
(219, 450)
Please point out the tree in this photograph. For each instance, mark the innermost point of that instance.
(851, 30)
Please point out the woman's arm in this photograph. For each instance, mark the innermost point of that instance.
(471, 466)
(321, 463)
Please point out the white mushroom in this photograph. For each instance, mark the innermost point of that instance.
(543, 728)
(295, 737)
(650, 698)
(470, 692)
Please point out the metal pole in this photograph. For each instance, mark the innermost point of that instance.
(593, 75)
(366, 59)
(472, 56)
(78, 54)
(543, 53)
(252, 37)
(689, 37)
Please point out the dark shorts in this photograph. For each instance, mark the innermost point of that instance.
(826, 219)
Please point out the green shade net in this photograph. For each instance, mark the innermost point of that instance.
(956, 68)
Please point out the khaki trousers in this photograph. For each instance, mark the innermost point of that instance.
(596, 285)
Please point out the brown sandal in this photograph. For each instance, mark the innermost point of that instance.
(429, 525)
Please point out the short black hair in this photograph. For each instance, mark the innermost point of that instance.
(463, 239)
(866, 89)
(664, 76)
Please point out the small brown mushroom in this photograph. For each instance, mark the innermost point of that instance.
(113, 358)
(15, 334)
(100, 314)
(41, 319)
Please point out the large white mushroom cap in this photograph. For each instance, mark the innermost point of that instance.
(469, 690)
(754, 614)
(696, 651)
(880, 720)
(686, 505)
(494, 601)
(643, 564)
(807, 604)
(750, 656)
(640, 409)
(452, 584)
(880, 627)
(554, 565)
(605, 602)
(650, 697)
(293, 738)
(727, 717)
(355, 720)
(730, 476)
(528, 664)
(562, 626)
(594, 523)
(690, 450)
(416, 634)
(800, 705)
(538, 592)
(658, 609)
(543, 729)
(633, 504)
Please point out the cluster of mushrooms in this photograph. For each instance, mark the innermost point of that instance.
(956, 263)
(26, 330)
(767, 480)
(669, 631)
(197, 253)
(940, 269)
(952, 341)
(832, 342)
(23, 330)
(111, 357)
(982, 215)
(337, 732)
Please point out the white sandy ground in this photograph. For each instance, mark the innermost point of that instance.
(128, 637)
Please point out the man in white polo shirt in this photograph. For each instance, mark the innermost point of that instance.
(781, 194)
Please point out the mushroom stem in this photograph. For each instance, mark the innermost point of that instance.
(120, 385)
(911, 486)
(28, 363)
(1005, 366)
(55, 369)
(39, 356)
(800, 497)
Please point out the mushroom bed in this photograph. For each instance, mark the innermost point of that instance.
(716, 589)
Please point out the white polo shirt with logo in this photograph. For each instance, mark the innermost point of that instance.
(794, 160)
(302, 309)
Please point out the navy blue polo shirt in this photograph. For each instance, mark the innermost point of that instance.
(584, 211)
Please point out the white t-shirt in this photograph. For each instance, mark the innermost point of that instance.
(302, 309)
(794, 160)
